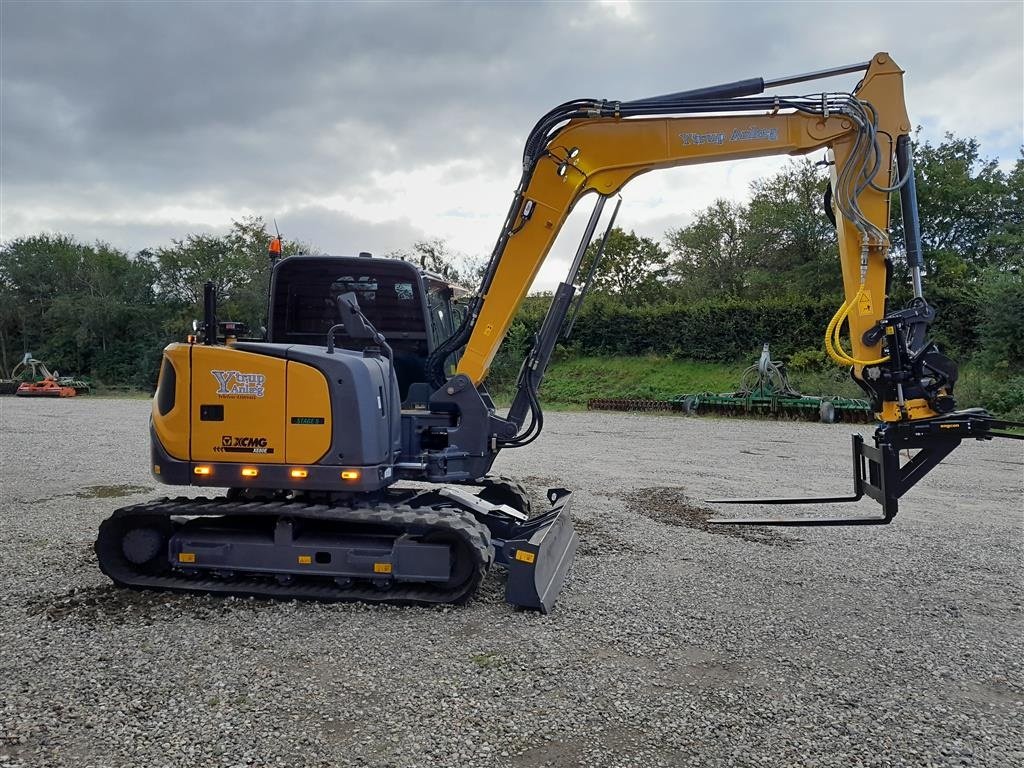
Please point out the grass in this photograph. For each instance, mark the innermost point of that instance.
(825, 383)
(571, 382)
(487, 660)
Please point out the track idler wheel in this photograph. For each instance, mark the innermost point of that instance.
(137, 543)
(496, 489)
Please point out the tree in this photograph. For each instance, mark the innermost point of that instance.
(84, 309)
(1007, 239)
(780, 242)
(970, 220)
(435, 256)
(712, 253)
(92, 310)
(792, 244)
(237, 263)
(8, 325)
(631, 268)
(1001, 331)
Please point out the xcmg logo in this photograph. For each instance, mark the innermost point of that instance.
(243, 444)
(238, 384)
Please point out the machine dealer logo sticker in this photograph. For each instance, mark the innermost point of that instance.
(753, 133)
(232, 444)
(702, 138)
(238, 384)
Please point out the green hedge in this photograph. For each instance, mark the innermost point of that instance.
(726, 331)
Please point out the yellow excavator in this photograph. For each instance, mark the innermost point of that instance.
(372, 372)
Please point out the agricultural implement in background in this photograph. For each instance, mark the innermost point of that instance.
(764, 391)
(32, 378)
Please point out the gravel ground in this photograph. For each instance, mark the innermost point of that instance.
(672, 644)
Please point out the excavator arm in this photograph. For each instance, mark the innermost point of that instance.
(602, 153)
(589, 146)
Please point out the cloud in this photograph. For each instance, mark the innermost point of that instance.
(388, 122)
(342, 234)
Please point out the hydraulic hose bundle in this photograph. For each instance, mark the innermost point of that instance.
(833, 343)
(856, 176)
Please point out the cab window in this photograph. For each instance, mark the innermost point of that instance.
(439, 308)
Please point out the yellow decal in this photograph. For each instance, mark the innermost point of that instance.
(186, 557)
(524, 556)
(305, 559)
(382, 567)
(489, 329)
(238, 384)
(864, 304)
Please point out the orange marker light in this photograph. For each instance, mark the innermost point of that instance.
(203, 470)
(275, 246)
(298, 474)
(350, 474)
(250, 472)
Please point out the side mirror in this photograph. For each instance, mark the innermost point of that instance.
(356, 326)
(352, 318)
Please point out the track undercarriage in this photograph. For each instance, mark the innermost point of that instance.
(404, 546)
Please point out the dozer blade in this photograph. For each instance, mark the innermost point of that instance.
(539, 556)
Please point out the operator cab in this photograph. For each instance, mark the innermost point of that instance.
(414, 309)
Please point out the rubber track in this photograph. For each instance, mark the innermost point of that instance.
(508, 485)
(400, 518)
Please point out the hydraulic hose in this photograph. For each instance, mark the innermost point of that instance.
(833, 343)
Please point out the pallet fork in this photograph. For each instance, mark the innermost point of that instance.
(877, 471)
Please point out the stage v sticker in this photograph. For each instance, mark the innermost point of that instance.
(238, 384)
(234, 444)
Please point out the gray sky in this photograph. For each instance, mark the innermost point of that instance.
(367, 126)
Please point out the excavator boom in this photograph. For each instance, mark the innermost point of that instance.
(604, 145)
